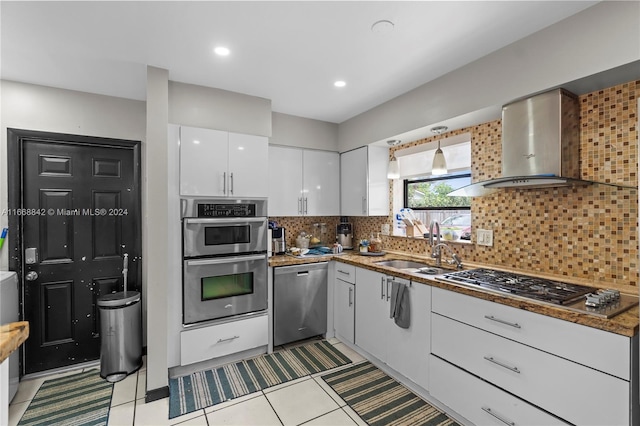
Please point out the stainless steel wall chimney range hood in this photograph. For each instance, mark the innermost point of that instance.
(540, 145)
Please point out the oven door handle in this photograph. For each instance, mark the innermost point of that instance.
(237, 220)
(223, 260)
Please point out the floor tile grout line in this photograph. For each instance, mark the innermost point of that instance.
(350, 416)
(255, 394)
(135, 400)
(321, 415)
(272, 408)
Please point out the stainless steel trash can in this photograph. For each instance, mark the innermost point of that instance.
(120, 334)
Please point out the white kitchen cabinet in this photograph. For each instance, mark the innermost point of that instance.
(364, 187)
(344, 310)
(481, 402)
(213, 341)
(303, 182)
(248, 166)
(404, 350)
(215, 163)
(372, 315)
(536, 359)
(408, 348)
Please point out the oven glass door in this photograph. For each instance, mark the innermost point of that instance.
(210, 237)
(224, 286)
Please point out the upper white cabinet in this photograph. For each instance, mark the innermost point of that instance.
(364, 189)
(303, 182)
(215, 163)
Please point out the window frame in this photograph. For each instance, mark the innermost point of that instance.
(433, 178)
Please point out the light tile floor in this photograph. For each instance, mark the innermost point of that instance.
(308, 400)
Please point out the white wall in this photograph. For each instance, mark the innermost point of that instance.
(31, 107)
(303, 132)
(602, 37)
(156, 225)
(200, 106)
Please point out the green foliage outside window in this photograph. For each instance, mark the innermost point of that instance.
(432, 193)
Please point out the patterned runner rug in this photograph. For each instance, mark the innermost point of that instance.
(81, 399)
(380, 400)
(206, 388)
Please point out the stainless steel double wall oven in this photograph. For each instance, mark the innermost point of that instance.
(224, 258)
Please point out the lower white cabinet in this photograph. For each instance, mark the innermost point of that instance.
(344, 310)
(213, 341)
(403, 349)
(481, 402)
(509, 357)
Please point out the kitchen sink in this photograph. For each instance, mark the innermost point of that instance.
(401, 264)
(411, 266)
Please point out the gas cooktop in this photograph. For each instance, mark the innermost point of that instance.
(578, 298)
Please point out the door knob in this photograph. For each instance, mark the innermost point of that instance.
(32, 276)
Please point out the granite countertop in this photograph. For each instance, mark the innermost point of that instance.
(12, 335)
(625, 323)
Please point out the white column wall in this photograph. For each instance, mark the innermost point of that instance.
(155, 225)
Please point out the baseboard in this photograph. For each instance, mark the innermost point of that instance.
(156, 394)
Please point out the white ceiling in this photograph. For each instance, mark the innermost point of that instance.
(289, 52)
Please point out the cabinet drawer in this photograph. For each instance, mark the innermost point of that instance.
(346, 272)
(575, 393)
(214, 341)
(481, 402)
(595, 348)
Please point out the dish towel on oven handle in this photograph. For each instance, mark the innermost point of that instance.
(400, 310)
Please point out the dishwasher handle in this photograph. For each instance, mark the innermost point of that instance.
(299, 269)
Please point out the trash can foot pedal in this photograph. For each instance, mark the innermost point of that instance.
(116, 377)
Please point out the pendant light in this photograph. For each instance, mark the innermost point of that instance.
(393, 171)
(439, 166)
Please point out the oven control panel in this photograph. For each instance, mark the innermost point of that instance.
(226, 210)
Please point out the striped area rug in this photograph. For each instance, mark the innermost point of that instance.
(206, 388)
(380, 400)
(80, 399)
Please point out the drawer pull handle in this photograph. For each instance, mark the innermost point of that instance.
(502, 419)
(502, 364)
(343, 272)
(512, 324)
(228, 340)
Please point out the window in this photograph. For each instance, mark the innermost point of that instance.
(430, 193)
(426, 194)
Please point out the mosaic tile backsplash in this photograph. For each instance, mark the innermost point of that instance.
(586, 232)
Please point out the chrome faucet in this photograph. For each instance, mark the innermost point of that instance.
(454, 257)
(435, 251)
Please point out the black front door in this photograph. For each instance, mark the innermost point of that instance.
(79, 213)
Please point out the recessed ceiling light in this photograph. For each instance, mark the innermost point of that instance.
(222, 51)
(340, 83)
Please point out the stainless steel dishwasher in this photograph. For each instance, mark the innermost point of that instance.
(299, 302)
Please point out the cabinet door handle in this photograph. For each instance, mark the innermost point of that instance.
(228, 339)
(305, 205)
(224, 183)
(231, 183)
(300, 205)
(382, 288)
(501, 321)
(502, 364)
(497, 416)
(364, 205)
(350, 296)
(389, 280)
